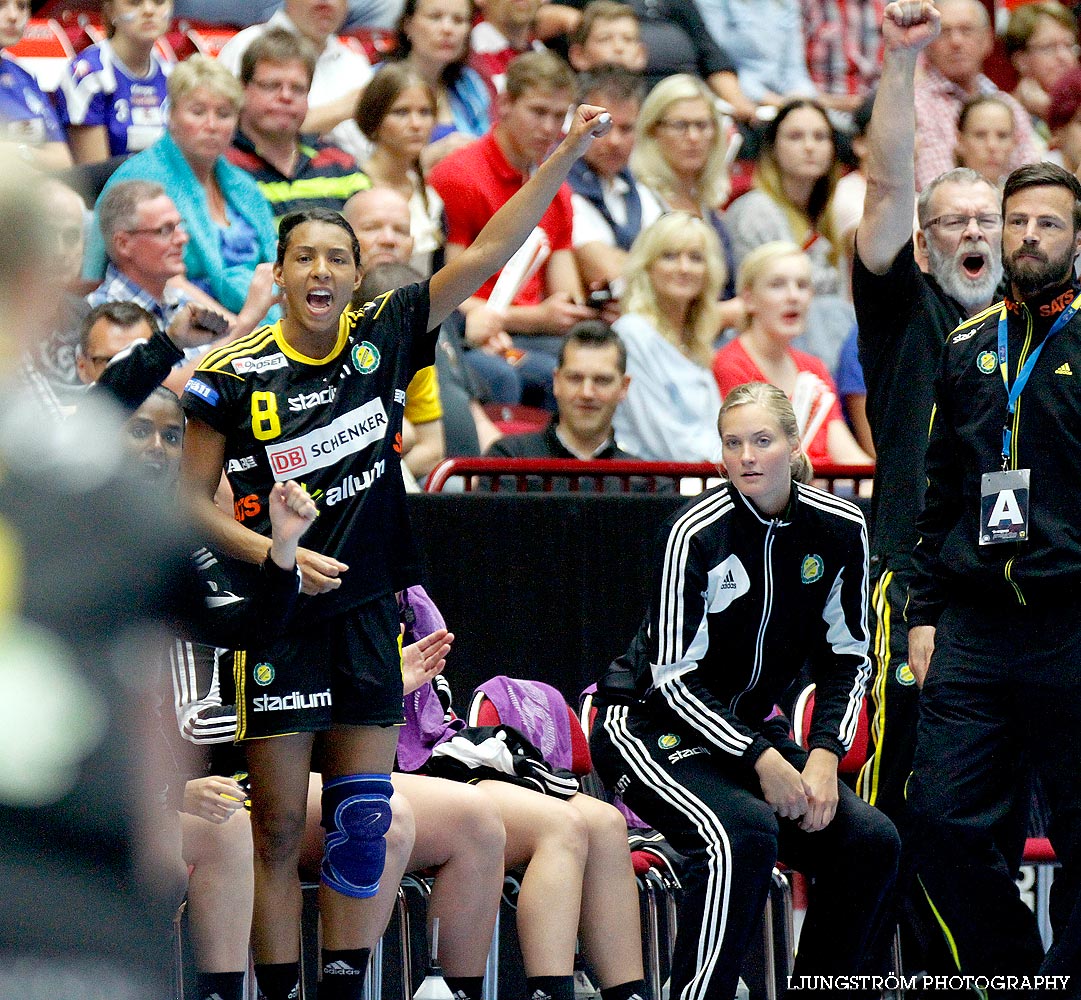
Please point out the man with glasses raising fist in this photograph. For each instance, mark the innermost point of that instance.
(144, 239)
(904, 316)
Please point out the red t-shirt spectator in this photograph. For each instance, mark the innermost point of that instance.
(474, 183)
(733, 366)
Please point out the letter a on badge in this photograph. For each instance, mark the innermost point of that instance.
(1006, 510)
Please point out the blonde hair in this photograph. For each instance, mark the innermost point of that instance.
(778, 405)
(647, 161)
(202, 71)
(677, 230)
(759, 260)
(817, 217)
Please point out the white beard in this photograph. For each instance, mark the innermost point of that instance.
(949, 273)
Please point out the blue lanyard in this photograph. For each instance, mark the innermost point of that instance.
(1012, 395)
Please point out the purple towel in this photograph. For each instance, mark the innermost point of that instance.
(425, 728)
(419, 614)
(537, 710)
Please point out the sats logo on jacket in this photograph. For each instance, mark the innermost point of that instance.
(246, 507)
(1057, 304)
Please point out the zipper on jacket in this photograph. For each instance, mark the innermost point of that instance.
(1014, 438)
(767, 607)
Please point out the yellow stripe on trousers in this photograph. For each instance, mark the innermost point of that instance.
(867, 782)
(240, 658)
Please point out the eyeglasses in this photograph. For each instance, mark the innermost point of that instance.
(163, 232)
(959, 223)
(682, 127)
(276, 86)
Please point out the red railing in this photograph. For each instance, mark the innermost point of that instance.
(532, 475)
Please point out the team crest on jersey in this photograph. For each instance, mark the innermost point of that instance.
(811, 568)
(263, 674)
(668, 741)
(365, 357)
(905, 676)
(986, 361)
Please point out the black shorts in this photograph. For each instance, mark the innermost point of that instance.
(345, 670)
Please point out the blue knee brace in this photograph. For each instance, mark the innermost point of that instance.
(356, 817)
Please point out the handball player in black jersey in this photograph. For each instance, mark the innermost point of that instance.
(318, 397)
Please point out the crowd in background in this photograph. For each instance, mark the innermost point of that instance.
(747, 116)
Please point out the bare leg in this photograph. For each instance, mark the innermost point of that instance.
(220, 890)
(353, 923)
(279, 781)
(459, 829)
(610, 924)
(550, 838)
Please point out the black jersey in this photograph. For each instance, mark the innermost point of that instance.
(740, 603)
(335, 426)
(904, 317)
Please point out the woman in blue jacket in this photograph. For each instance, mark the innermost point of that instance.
(229, 223)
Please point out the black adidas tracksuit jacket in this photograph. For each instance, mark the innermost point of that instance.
(740, 603)
(966, 441)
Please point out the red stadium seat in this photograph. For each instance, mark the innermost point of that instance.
(483, 713)
(861, 743)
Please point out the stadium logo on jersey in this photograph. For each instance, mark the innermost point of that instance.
(399, 397)
(669, 741)
(202, 390)
(309, 400)
(291, 702)
(240, 464)
(905, 676)
(962, 337)
(348, 434)
(811, 569)
(675, 758)
(365, 357)
(248, 366)
(987, 361)
(263, 674)
(352, 485)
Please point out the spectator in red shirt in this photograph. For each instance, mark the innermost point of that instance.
(473, 183)
(776, 287)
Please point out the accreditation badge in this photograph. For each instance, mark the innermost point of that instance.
(1004, 506)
